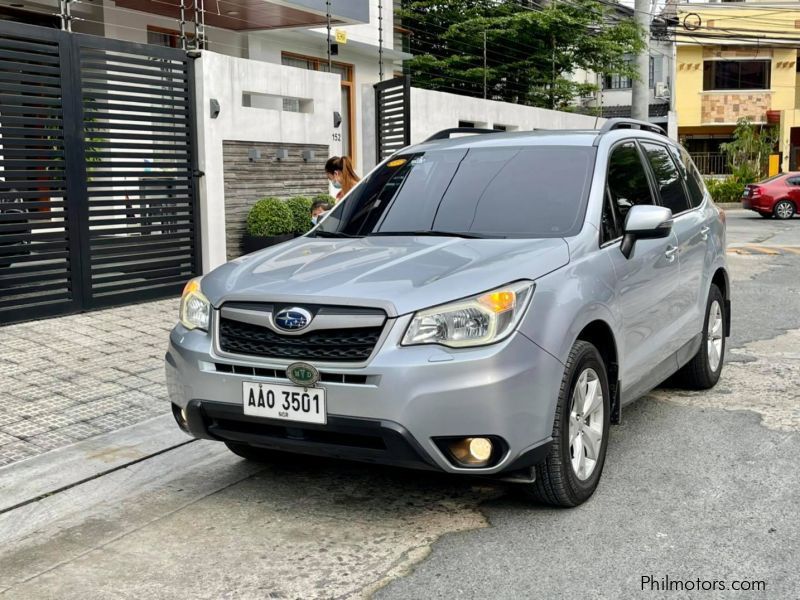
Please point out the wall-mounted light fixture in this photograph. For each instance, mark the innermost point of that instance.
(307, 155)
(281, 154)
(214, 108)
(253, 154)
(337, 119)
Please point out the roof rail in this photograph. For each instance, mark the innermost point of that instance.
(624, 123)
(445, 134)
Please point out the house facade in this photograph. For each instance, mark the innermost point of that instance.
(734, 61)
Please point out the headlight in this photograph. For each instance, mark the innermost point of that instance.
(476, 321)
(195, 307)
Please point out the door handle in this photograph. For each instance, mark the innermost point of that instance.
(670, 253)
(704, 232)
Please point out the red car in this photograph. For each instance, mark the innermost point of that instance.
(778, 196)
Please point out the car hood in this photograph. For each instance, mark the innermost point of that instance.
(400, 274)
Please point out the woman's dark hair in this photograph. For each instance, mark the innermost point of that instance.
(344, 165)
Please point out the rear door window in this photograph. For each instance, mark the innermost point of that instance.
(694, 181)
(670, 184)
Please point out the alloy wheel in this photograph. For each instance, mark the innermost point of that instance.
(714, 336)
(784, 210)
(586, 424)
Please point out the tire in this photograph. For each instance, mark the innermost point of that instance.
(703, 371)
(783, 210)
(558, 482)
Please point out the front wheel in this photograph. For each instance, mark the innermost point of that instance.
(571, 471)
(703, 371)
(783, 210)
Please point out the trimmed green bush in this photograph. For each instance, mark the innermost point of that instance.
(301, 213)
(726, 190)
(324, 198)
(270, 217)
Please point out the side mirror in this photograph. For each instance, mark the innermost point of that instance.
(645, 222)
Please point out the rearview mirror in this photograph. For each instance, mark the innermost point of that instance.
(645, 222)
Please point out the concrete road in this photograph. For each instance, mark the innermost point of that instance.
(701, 488)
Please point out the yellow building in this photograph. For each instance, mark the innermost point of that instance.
(737, 60)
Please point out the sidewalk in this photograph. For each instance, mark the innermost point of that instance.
(69, 378)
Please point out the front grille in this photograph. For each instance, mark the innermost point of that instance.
(346, 345)
(281, 374)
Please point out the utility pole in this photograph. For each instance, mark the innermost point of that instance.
(640, 97)
(484, 64)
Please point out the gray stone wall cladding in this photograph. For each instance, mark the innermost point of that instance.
(249, 180)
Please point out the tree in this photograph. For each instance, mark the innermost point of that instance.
(530, 50)
(748, 153)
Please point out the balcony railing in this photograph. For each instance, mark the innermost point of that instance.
(711, 163)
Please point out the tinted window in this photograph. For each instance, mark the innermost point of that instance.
(793, 181)
(670, 186)
(694, 181)
(533, 191)
(627, 179)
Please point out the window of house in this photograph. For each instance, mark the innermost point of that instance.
(670, 187)
(627, 179)
(620, 82)
(736, 75)
(466, 124)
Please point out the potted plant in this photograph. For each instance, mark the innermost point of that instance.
(269, 222)
(301, 214)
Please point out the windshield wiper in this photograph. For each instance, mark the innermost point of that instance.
(335, 234)
(434, 232)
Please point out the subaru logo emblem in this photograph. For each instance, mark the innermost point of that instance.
(293, 319)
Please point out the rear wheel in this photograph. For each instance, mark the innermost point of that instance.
(703, 371)
(571, 471)
(783, 210)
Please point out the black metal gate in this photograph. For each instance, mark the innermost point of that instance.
(97, 152)
(392, 116)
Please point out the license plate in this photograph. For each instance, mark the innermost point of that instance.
(746, 192)
(286, 402)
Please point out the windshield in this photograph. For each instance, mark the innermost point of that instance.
(517, 192)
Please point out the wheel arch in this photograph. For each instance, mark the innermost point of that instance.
(722, 281)
(600, 334)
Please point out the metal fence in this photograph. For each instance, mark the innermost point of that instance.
(97, 153)
(711, 163)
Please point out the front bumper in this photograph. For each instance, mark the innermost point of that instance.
(405, 399)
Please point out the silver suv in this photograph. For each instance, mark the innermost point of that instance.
(482, 304)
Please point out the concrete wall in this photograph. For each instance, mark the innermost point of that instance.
(225, 79)
(268, 46)
(433, 111)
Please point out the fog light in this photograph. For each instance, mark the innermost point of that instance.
(472, 451)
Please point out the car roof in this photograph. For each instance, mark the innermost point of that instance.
(541, 137)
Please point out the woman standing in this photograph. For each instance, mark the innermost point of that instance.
(341, 174)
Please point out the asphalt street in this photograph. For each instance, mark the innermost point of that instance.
(699, 487)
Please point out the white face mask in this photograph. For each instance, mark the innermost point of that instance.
(314, 219)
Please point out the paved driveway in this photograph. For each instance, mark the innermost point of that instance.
(69, 378)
